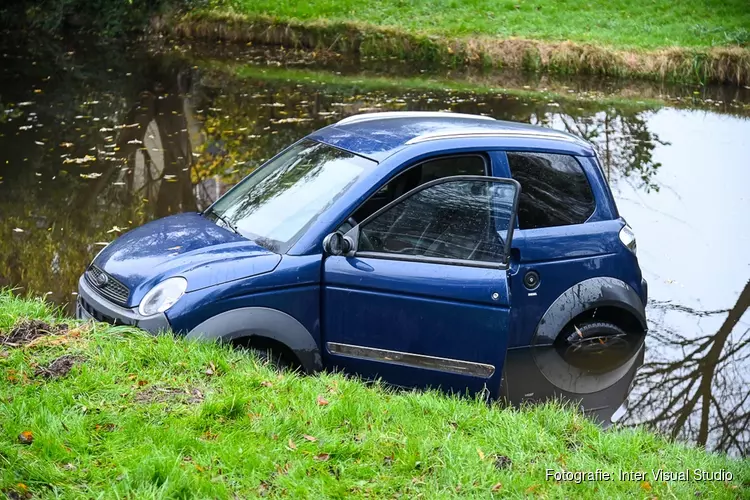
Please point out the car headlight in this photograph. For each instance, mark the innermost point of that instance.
(163, 296)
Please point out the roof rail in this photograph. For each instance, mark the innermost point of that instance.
(408, 114)
(469, 133)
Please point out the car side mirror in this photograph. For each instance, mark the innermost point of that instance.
(337, 244)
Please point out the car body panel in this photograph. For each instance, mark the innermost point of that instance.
(293, 288)
(432, 310)
(266, 322)
(185, 245)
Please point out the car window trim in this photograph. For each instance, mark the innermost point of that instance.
(432, 260)
(481, 154)
(354, 232)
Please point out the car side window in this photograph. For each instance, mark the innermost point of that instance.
(416, 176)
(554, 190)
(461, 219)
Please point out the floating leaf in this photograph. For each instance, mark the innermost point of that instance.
(78, 161)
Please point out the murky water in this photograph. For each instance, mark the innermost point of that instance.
(94, 141)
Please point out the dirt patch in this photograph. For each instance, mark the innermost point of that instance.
(27, 331)
(169, 395)
(59, 367)
(502, 462)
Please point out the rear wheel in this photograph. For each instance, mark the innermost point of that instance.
(596, 344)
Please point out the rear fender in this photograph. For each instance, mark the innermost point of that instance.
(584, 296)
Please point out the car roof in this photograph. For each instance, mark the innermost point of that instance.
(379, 135)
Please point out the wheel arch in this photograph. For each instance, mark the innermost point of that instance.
(248, 322)
(617, 301)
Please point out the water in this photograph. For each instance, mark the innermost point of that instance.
(94, 141)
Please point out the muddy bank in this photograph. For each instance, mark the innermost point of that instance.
(715, 65)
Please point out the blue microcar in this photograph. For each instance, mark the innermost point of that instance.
(420, 248)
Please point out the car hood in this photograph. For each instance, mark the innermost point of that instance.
(187, 245)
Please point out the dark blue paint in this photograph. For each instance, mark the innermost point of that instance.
(466, 313)
(182, 245)
(416, 308)
(563, 256)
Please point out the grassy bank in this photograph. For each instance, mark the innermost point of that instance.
(617, 23)
(92, 410)
(692, 46)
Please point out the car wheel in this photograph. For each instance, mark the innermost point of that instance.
(589, 356)
(274, 360)
(592, 342)
(592, 330)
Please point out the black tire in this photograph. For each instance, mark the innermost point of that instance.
(592, 329)
(582, 344)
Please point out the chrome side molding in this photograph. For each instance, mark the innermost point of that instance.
(414, 360)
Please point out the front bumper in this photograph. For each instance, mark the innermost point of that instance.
(91, 305)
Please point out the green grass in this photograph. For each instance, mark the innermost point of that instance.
(625, 24)
(108, 429)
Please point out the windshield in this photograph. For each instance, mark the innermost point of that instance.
(274, 205)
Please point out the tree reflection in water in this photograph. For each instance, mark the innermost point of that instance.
(696, 387)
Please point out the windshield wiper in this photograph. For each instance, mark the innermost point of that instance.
(226, 221)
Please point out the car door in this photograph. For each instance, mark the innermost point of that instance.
(421, 299)
(554, 246)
